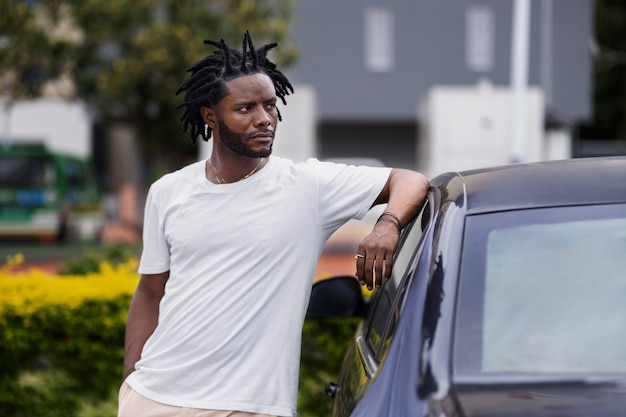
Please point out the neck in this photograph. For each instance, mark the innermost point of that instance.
(222, 177)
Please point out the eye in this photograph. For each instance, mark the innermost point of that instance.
(270, 106)
(245, 109)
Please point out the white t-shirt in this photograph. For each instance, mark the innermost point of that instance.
(241, 258)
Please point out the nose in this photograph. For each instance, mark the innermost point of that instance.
(263, 118)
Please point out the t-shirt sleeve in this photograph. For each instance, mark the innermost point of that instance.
(155, 257)
(347, 191)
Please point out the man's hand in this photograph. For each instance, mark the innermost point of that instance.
(404, 193)
(374, 259)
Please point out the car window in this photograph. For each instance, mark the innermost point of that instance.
(26, 171)
(387, 300)
(542, 291)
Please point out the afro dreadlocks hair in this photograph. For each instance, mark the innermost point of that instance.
(206, 85)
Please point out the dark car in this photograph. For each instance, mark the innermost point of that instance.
(508, 298)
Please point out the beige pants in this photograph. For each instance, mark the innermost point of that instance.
(131, 404)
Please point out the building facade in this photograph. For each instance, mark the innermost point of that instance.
(371, 63)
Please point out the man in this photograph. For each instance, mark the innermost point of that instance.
(230, 249)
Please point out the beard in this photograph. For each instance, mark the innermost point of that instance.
(236, 142)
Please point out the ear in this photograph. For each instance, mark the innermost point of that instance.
(208, 115)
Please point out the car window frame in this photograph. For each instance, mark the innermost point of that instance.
(467, 347)
(376, 354)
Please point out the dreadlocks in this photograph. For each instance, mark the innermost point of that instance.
(206, 85)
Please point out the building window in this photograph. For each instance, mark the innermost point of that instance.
(479, 38)
(379, 39)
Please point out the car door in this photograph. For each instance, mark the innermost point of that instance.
(374, 336)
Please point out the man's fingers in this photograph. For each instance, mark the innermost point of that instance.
(368, 272)
(372, 271)
(360, 267)
(388, 267)
(364, 269)
(379, 264)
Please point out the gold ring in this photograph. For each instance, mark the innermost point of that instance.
(358, 255)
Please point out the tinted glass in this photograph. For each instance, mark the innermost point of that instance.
(542, 291)
(76, 175)
(26, 172)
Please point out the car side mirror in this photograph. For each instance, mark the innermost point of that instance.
(337, 297)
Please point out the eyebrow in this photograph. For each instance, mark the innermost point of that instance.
(251, 103)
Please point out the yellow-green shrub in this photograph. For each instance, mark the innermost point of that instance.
(71, 324)
(29, 291)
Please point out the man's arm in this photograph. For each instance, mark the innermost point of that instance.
(143, 316)
(404, 193)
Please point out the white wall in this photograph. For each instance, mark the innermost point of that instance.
(472, 127)
(62, 125)
(296, 134)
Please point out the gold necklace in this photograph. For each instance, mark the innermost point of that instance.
(221, 180)
(217, 176)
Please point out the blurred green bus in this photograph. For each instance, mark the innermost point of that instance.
(47, 195)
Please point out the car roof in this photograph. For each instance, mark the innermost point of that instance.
(542, 184)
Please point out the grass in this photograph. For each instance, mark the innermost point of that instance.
(44, 386)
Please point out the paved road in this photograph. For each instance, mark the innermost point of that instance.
(50, 255)
(36, 253)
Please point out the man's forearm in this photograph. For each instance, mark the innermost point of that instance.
(143, 316)
(406, 194)
(139, 327)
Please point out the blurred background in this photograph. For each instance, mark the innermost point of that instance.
(88, 115)
(87, 103)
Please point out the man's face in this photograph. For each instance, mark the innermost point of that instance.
(245, 119)
(238, 142)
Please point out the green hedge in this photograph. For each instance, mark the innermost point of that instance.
(324, 343)
(56, 357)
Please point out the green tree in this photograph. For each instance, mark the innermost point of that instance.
(126, 58)
(609, 95)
